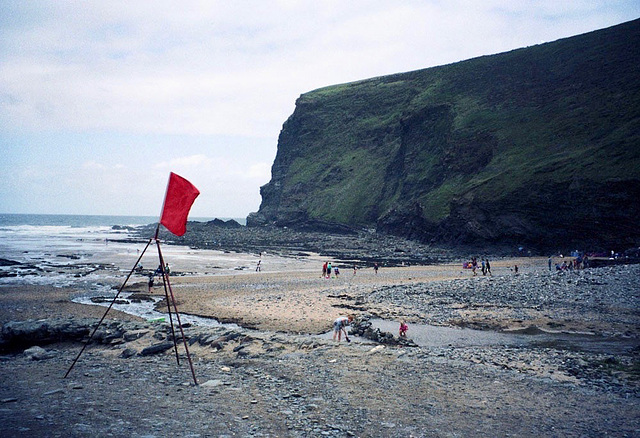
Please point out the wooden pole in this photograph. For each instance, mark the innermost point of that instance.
(166, 295)
(175, 307)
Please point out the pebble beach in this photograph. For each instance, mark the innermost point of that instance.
(556, 354)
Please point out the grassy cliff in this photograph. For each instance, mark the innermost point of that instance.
(538, 146)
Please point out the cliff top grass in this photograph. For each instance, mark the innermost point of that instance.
(547, 114)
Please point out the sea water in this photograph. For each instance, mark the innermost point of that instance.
(55, 249)
(94, 254)
(80, 250)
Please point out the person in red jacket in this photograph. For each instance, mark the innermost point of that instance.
(403, 329)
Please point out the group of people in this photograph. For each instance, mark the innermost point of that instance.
(570, 265)
(485, 266)
(327, 269)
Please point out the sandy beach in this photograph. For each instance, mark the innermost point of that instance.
(300, 300)
(288, 295)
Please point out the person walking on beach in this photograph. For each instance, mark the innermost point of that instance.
(484, 268)
(329, 270)
(258, 266)
(324, 270)
(488, 267)
(340, 326)
(166, 269)
(150, 282)
(375, 268)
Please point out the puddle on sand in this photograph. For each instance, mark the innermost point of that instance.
(434, 336)
(145, 309)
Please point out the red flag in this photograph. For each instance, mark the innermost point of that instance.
(177, 203)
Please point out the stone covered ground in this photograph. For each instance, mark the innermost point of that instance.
(286, 381)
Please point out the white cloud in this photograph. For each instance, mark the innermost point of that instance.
(92, 165)
(260, 171)
(233, 68)
(199, 160)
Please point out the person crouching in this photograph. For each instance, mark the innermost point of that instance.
(403, 329)
(340, 326)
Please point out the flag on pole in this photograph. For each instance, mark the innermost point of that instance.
(177, 203)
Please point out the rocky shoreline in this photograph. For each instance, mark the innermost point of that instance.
(268, 384)
(363, 247)
(257, 382)
(573, 370)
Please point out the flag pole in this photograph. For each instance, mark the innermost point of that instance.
(164, 201)
(168, 290)
(193, 193)
(108, 308)
(173, 332)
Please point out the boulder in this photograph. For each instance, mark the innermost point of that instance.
(43, 331)
(156, 348)
(37, 353)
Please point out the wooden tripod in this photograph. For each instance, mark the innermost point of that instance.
(168, 292)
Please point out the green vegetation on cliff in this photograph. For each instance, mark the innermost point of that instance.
(539, 145)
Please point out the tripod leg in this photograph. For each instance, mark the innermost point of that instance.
(108, 308)
(175, 307)
(165, 280)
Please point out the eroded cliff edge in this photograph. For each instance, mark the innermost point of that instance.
(538, 147)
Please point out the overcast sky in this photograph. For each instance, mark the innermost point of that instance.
(100, 100)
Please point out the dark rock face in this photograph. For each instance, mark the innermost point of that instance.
(31, 332)
(551, 216)
(537, 147)
(24, 334)
(225, 224)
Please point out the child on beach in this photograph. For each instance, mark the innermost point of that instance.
(403, 329)
(340, 325)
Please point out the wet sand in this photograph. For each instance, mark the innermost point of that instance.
(21, 303)
(288, 295)
(301, 300)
